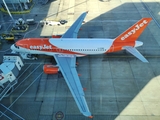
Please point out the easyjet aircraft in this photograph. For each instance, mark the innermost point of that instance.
(66, 48)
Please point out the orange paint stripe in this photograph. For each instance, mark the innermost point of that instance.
(42, 43)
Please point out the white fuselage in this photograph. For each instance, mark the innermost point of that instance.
(78, 47)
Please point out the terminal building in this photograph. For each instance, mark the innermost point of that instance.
(17, 6)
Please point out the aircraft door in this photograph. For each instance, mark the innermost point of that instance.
(26, 48)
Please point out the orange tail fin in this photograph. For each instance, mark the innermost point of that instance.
(132, 33)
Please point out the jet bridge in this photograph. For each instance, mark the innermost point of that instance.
(9, 70)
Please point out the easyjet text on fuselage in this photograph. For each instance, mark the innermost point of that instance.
(40, 47)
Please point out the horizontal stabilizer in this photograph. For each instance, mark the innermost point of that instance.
(136, 53)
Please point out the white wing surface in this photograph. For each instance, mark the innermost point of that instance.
(73, 30)
(66, 64)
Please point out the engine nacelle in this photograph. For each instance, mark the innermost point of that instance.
(50, 69)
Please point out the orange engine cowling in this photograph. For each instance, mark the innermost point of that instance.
(50, 69)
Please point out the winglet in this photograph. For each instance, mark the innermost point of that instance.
(132, 33)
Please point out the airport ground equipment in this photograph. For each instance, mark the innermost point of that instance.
(30, 22)
(63, 22)
(53, 22)
(20, 26)
(9, 70)
(29, 56)
(9, 36)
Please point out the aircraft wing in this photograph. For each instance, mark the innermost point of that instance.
(73, 30)
(66, 64)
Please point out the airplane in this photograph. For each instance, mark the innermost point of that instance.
(66, 48)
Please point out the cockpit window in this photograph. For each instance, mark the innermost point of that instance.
(16, 46)
(1, 71)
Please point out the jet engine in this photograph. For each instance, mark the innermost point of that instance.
(50, 69)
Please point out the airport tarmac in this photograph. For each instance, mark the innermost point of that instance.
(118, 85)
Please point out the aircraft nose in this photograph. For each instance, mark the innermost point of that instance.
(138, 43)
(12, 48)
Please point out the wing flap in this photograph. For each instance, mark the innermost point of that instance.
(67, 67)
(136, 53)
